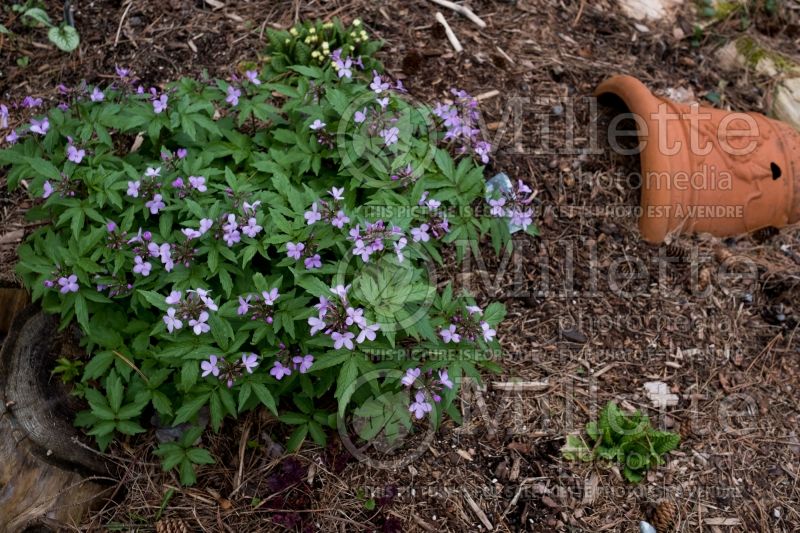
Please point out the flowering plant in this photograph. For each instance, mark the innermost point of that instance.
(266, 240)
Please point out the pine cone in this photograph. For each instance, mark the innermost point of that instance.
(676, 251)
(171, 525)
(764, 234)
(665, 515)
(685, 430)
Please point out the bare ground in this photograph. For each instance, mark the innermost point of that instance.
(579, 319)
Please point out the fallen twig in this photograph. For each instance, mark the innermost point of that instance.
(449, 32)
(462, 10)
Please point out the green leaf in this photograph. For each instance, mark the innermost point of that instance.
(265, 397)
(98, 365)
(200, 456)
(190, 408)
(297, 438)
(38, 14)
(65, 38)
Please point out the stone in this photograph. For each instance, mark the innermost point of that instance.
(654, 10)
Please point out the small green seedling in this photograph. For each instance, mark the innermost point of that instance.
(626, 438)
(185, 455)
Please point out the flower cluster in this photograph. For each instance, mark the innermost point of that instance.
(338, 319)
(461, 121)
(258, 306)
(330, 212)
(427, 385)
(229, 372)
(467, 327)
(371, 239)
(514, 204)
(282, 367)
(193, 309)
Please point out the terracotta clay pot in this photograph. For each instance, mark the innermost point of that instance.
(708, 170)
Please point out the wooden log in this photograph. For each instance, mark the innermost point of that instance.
(12, 301)
(46, 478)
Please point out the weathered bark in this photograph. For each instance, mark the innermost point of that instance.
(43, 469)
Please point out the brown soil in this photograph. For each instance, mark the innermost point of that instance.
(628, 313)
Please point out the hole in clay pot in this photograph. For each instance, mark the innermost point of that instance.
(776, 171)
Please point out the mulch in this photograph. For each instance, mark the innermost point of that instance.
(593, 311)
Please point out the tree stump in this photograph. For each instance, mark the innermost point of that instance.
(47, 479)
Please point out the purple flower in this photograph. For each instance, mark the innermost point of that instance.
(155, 205)
(344, 68)
(474, 310)
(338, 194)
(316, 323)
(3, 116)
(252, 228)
(251, 208)
(133, 188)
(342, 340)
(160, 104)
(390, 135)
(488, 332)
(303, 363)
(172, 321)
(210, 367)
(340, 220)
(252, 76)
(205, 225)
(355, 316)
(250, 362)
(199, 326)
(31, 102)
(313, 262)
(68, 284)
(141, 266)
(173, 298)
(398, 248)
(111, 226)
(312, 216)
(233, 95)
(444, 379)
(75, 155)
(378, 85)
(191, 233)
(340, 291)
(360, 116)
(12, 137)
(279, 371)
(121, 72)
(295, 251)
(420, 406)
(368, 333)
(383, 102)
(152, 172)
(97, 95)
(47, 189)
(181, 153)
(271, 296)
(244, 305)
(450, 335)
(317, 125)
(198, 183)
(206, 299)
(232, 237)
(411, 376)
(421, 233)
(40, 126)
(497, 207)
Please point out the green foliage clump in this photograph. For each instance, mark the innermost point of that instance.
(626, 438)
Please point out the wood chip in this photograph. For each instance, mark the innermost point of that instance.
(722, 521)
(520, 386)
(478, 511)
